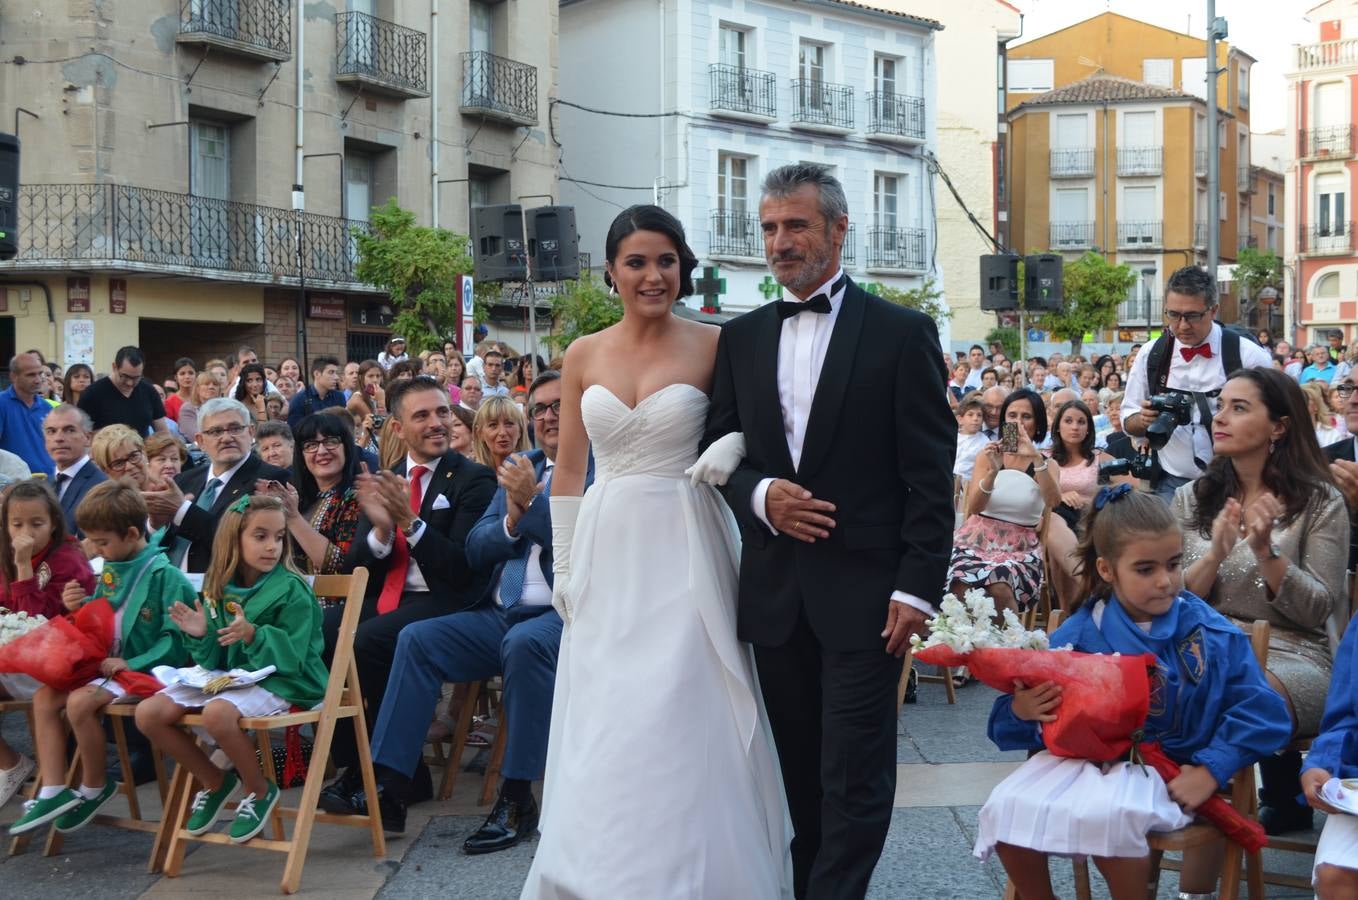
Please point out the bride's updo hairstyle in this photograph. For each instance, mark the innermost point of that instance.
(645, 217)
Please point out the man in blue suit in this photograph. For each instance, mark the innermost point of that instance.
(512, 632)
(66, 432)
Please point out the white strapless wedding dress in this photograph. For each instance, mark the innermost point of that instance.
(662, 780)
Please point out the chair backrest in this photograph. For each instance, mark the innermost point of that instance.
(1260, 632)
(351, 587)
(1054, 620)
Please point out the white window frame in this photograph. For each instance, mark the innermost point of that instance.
(1168, 78)
(1242, 85)
(1031, 76)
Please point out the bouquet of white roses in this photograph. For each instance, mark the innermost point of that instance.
(969, 624)
(17, 624)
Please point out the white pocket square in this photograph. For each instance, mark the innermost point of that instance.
(441, 502)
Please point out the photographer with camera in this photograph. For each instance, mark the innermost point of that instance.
(1173, 385)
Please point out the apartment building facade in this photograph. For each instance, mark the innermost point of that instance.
(693, 103)
(160, 153)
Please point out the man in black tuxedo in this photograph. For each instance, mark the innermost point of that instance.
(1343, 466)
(194, 502)
(412, 537)
(845, 509)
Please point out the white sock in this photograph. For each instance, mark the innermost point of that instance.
(47, 792)
(89, 793)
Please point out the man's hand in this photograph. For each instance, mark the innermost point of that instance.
(395, 493)
(792, 510)
(162, 504)
(520, 482)
(373, 506)
(1192, 787)
(902, 620)
(1346, 479)
(1312, 780)
(73, 595)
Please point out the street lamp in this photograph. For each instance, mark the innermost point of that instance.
(1268, 297)
(1147, 276)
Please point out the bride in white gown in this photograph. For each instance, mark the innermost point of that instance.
(662, 780)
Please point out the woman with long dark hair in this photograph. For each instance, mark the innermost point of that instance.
(322, 509)
(251, 387)
(1266, 536)
(78, 379)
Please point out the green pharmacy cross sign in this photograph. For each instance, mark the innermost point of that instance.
(770, 288)
(710, 287)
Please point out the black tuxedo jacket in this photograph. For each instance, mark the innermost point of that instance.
(200, 525)
(1344, 450)
(442, 550)
(88, 476)
(880, 444)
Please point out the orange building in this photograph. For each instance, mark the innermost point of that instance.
(1108, 152)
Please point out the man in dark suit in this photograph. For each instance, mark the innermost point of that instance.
(194, 503)
(66, 433)
(845, 511)
(1343, 466)
(412, 537)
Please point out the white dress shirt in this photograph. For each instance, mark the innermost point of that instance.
(70, 474)
(415, 582)
(1199, 374)
(973, 378)
(224, 478)
(536, 590)
(802, 347)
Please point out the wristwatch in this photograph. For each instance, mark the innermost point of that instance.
(1274, 551)
(409, 530)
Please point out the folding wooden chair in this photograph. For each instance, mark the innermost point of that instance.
(342, 700)
(476, 690)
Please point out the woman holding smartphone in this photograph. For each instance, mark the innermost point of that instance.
(1012, 489)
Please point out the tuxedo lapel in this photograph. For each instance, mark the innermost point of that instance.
(828, 399)
(242, 482)
(768, 407)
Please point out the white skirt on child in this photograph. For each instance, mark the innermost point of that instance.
(1071, 807)
(1338, 845)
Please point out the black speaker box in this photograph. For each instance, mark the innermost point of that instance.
(553, 245)
(1042, 276)
(9, 196)
(999, 282)
(497, 238)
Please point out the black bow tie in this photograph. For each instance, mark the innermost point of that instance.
(817, 304)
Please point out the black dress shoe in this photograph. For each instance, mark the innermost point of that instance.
(421, 784)
(337, 796)
(508, 823)
(912, 686)
(390, 804)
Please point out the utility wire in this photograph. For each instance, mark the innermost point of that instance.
(936, 167)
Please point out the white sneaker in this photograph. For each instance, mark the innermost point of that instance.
(13, 779)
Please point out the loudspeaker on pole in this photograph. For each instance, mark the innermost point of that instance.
(9, 196)
(497, 238)
(553, 245)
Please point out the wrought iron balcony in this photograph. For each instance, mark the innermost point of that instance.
(380, 55)
(260, 29)
(895, 117)
(741, 92)
(819, 104)
(1200, 234)
(1139, 309)
(1331, 142)
(499, 88)
(1243, 182)
(1141, 160)
(1134, 235)
(1072, 235)
(1332, 238)
(897, 248)
(848, 254)
(735, 234)
(1072, 163)
(122, 228)
(1200, 163)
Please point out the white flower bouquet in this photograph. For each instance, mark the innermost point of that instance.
(14, 625)
(969, 624)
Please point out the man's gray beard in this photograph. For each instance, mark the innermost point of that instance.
(811, 269)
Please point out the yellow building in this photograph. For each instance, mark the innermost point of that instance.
(1108, 152)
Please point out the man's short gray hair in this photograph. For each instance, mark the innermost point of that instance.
(70, 409)
(218, 405)
(788, 179)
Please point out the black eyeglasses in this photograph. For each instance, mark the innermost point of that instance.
(538, 410)
(1346, 390)
(1192, 318)
(220, 430)
(329, 443)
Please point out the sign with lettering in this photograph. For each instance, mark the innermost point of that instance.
(117, 295)
(77, 295)
(325, 306)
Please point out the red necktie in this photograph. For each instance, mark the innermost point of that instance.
(395, 582)
(1203, 350)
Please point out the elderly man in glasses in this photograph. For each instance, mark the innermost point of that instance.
(196, 500)
(1342, 457)
(1193, 356)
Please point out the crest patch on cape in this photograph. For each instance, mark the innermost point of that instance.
(1193, 655)
(44, 575)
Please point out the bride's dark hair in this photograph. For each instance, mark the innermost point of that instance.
(645, 217)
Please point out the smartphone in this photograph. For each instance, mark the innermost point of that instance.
(1009, 437)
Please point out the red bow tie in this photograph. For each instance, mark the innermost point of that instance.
(1203, 350)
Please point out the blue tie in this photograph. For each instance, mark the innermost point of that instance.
(209, 493)
(514, 572)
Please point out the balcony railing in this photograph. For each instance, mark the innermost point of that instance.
(261, 29)
(122, 227)
(1244, 240)
(499, 88)
(895, 117)
(1072, 163)
(381, 55)
(1243, 182)
(897, 248)
(848, 254)
(1329, 142)
(1327, 55)
(1139, 309)
(747, 92)
(818, 103)
(735, 234)
(1137, 234)
(1141, 160)
(1200, 234)
(1334, 238)
(1072, 235)
(1200, 163)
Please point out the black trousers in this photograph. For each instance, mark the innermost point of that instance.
(374, 648)
(833, 716)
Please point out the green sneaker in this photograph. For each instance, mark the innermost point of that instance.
(39, 812)
(79, 817)
(253, 813)
(207, 804)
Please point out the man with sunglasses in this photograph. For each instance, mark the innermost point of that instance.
(1191, 356)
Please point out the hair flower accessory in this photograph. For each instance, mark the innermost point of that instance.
(241, 505)
(1107, 495)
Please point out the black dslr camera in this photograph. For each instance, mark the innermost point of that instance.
(1173, 408)
(1143, 467)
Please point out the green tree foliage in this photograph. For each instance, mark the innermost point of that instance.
(583, 307)
(1093, 288)
(1257, 269)
(1008, 336)
(418, 267)
(927, 299)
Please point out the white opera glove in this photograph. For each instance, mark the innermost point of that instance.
(719, 461)
(564, 511)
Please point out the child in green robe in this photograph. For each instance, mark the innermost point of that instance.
(140, 584)
(259, 613)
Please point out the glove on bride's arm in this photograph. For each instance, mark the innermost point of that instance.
(564, 510)
(718, 461)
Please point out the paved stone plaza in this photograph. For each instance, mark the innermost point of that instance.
(947, 768)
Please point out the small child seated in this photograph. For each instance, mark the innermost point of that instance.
(1334, 754)
(259, 612)
(139, 584)
(1211, 709)
(971, 440)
